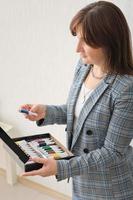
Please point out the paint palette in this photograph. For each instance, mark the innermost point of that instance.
(44, 147)
(40, 145)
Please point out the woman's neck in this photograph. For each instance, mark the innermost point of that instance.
(97, 72)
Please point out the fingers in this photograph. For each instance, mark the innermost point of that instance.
(37, 172)
(34, 108)
(33, 112)
(49, 167)
(32, 173)
(31, 117)
(39, 160)
(26, 106)
(29, 111)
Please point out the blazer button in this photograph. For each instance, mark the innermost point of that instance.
(86, 150)
(89, 132)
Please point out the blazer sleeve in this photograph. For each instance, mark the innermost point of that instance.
(55, 115)
(118, 138)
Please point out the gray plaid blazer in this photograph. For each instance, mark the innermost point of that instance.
(103, 164)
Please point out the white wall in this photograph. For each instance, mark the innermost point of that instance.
(37, 60)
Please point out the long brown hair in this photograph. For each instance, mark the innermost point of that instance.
(104, 25)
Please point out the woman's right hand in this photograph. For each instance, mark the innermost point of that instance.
(39, 109)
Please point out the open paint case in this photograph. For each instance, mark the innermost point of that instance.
(40, 145)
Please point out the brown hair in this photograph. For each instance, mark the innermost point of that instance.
(104, 25)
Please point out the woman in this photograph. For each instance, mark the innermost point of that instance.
(99, 109)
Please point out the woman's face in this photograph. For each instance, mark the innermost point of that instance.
(88, 54)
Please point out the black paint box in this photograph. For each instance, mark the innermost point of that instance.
(40, 145)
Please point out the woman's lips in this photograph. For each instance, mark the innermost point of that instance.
(83, 56)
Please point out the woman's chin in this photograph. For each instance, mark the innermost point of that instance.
(84, 59)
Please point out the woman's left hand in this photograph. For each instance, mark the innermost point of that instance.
(49, 167)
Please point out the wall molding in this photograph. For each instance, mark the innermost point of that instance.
(31, 184)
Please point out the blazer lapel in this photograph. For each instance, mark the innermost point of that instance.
(96, 94)
(74, 95)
